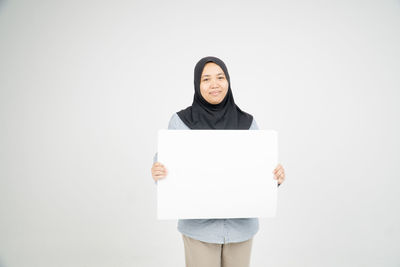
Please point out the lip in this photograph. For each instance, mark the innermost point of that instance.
(215, 93)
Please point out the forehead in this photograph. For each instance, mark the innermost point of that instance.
(212, 69)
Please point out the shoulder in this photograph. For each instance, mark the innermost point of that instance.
(173, 121)
(176, 123)
(254, 125)
(174, 118)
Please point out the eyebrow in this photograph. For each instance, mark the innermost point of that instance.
(221, 73)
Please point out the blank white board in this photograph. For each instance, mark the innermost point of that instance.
(217, 174)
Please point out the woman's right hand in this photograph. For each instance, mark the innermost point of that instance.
(158, 171)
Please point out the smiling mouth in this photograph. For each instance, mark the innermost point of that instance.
(215, 93)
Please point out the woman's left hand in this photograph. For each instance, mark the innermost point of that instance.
(279, 174)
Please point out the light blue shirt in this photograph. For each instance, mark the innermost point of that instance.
(219, 231)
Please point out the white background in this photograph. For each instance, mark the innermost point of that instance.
(85, 85)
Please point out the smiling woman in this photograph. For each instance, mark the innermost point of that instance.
(214, 242)
(213, 83)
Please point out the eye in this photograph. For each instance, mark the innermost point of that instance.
(221, 78)
(206, 79)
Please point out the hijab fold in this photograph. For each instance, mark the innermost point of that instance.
(204, 115)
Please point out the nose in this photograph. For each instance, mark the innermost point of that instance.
(214, 83)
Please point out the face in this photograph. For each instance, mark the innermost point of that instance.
(213, 83)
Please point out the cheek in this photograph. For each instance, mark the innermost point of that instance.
(225, 86)
(203, 92)
(203, 87)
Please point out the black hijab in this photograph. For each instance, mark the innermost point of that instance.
(203, 115)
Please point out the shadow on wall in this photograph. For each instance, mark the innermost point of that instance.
(2, 3)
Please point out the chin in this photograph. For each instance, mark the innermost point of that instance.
(216, 102)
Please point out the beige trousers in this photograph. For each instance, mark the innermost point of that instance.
(202, 254)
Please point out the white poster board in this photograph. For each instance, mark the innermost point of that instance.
(217, 174)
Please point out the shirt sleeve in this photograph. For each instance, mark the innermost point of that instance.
(173, 122)
(254, 125)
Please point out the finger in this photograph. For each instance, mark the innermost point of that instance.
(277, 166)
(158, 177)
(277, 169)
(160, 173)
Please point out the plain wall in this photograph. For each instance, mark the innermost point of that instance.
(85, 86)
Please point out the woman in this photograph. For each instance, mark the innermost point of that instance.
(214, 242)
